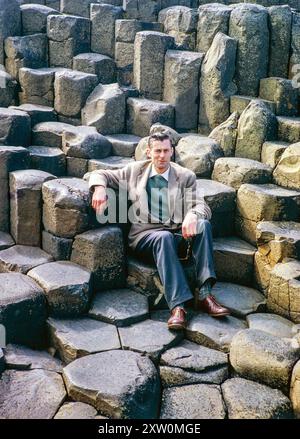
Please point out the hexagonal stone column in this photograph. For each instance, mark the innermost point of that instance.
(149, 337)
(189, 363)
(24, 395)
(34, 18)
(213, 18)
(48, 159)
(143, 113)
(66, 285)
(28, 51)
(280, 23)
(266, 202)
(11, 158)
(249, 26)
(181, 88)
(22, 310)
(222, 201)
(10, 22)
(105, 109)
(234, 260)
(257, 124)
(247, 399)
(278, 240)
(235, 171)
(216, 82)
(37, 86)
(282, 92)
(22, 258)
(26, 205)
(15, 127)
(120, 307)
(198, 153)
(181, 23)
(102, 252)
(8, 89)
(197, 401)
(68, 36)
(66, 207)
(284, 289)
(106, 387)
(149, 57)
(71, 90)
(287, 171)
(76, 338)
(103, 18)
(261, 357)
(97, 64)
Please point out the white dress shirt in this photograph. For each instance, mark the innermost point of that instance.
(154, 172)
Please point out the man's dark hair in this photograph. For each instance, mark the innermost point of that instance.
(160, 137)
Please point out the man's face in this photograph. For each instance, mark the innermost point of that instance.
(160, 153)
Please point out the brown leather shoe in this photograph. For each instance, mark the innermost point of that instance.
(177, 319)
(212, 307)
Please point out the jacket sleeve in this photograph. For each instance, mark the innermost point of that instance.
(108, 178)
(195, 199)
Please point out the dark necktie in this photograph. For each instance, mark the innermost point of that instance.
(158, 198)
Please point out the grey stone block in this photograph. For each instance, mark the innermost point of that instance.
(94, 63)
(59, 248)
(15, 127)
(66, 286)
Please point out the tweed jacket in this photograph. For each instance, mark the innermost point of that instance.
(183, 196)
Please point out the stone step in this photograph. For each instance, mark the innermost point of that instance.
(67, 287)
(238, 103)
(143, 113)
(255, 354)
(222, 201)
(235, 171)
(121, 307)
(234, 260)
(23, 299)
(282, 92)
(6, 240)
(264, 202)
(275, 325)
(22, 258)
(287, 173)
(111, 163)
(37, 113)
(89, 383)
(278, 240)
(75, 338)
(34, 18)
(188, 363)
(288, 129)
(76, 410)
(272, 151)
(48, 159)
(104, 67)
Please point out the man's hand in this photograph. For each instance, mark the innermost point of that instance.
(99, 199)
(189, 225)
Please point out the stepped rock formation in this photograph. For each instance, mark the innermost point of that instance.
(83, 83)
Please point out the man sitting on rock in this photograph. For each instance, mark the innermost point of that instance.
(167, 215)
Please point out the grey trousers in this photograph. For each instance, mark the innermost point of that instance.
(161, 248)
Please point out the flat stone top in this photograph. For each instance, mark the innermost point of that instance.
(234, 244)
(189, 355)
(67, 186)
(110, 372)
(9, 112)
(96, 235)
(242, 163)
(24, 256)
(32, 178)
(212, 188)
(45, 151)
(74, 74)
(273, 324)
(4, 149)
(124, 138)
(92, 56)
(143, 103)
(269, 189)
(33, 107)
(288, 271)
(62, 273)
(37, 7)
(17, 286)
(290, 120)
(280, 229)
(55, 127)
(184, 55)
